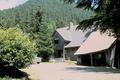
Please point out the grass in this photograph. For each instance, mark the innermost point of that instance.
(8, 78)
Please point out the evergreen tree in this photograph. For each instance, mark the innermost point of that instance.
(107, 14)
(43, 36)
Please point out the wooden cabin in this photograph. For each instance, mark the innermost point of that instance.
(67, 40)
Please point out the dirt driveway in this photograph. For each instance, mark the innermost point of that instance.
(65, 71)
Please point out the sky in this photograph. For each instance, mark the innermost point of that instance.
(6, 4)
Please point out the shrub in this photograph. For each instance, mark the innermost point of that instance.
(44, 55)
(16, 48)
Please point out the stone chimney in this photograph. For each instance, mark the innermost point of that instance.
(70, 25)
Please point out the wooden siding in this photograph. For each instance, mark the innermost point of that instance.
(60, 45)
(69, 53)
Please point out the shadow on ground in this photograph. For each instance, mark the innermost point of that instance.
(13, 72)
(94, 69)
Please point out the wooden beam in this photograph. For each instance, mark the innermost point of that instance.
(91, 58)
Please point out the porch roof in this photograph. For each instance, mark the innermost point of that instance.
(96, 42)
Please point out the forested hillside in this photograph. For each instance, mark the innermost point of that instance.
(55, 11)
(40, 18)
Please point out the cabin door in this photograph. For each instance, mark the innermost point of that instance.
(58, 53)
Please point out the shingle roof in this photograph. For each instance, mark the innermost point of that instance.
(76, 37)
(65, 33)
(95, 42)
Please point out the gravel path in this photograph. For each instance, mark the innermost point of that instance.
(65, 71)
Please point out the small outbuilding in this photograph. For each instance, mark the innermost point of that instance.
(99, 49)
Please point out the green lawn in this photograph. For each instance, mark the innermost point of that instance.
(8, 78)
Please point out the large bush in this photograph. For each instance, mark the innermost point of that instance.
(16, 48)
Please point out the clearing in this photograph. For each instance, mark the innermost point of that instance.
(67, 71)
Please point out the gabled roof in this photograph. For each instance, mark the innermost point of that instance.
(65, 33)
(76, 37)
(96, 42)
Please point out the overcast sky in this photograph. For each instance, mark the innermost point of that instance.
(5, 4)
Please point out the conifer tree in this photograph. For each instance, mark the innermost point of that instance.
(107, 14)
(43, 36)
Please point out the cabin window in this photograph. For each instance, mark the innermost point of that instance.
(56, 41)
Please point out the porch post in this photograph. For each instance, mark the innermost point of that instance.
(91, 57)
(64, 53)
